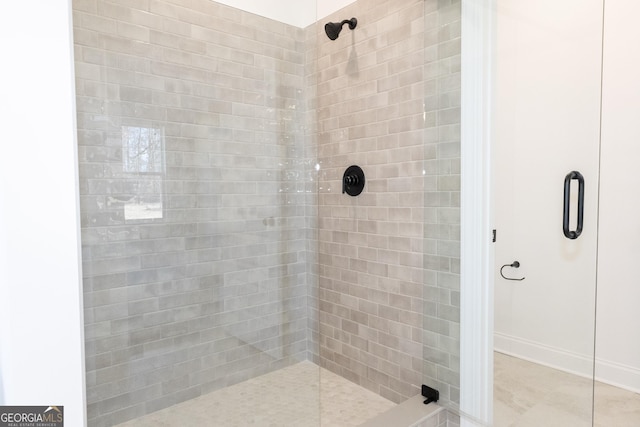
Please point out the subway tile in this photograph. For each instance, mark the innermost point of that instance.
(381, 215)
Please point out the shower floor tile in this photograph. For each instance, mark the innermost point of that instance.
(529, 394)
(300, 395)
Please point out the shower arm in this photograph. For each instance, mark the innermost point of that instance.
(352, 23)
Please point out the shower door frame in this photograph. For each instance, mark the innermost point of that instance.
(476, 213)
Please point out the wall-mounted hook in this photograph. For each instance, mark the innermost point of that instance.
(514, 264)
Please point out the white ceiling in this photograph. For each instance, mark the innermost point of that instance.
(300, 13)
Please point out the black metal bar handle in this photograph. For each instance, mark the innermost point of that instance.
(573, 234)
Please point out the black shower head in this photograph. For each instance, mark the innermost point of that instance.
(333, 28)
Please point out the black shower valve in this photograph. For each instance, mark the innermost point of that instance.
(353, 180)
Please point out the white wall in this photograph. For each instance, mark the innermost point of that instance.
(41, 345)
(618, 316)
(300, 13)
(327, 7)
(547, 108)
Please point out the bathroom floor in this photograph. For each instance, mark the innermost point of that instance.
(528, 394)
(287, 397)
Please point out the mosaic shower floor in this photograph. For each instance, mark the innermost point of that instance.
(302, 395)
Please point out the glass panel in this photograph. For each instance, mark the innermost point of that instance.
(547, 124)
(197, 185)
(441, 282)
(617, 370)
(388, 101)
(371, 248)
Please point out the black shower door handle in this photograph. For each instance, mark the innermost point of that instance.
(571, 234)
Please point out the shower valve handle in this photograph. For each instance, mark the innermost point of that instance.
(351, 180)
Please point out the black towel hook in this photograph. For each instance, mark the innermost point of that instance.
(514, 264)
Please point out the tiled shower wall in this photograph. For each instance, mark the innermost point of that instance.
(442, 201)
(388, 101)
(198, 132)
(196, 191)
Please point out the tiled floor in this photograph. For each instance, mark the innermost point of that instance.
(302, 395)
(528, 394)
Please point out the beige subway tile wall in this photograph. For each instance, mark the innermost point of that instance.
(442, 200)
(388, 101)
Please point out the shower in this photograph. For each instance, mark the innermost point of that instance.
(235, 254)
(333, 28)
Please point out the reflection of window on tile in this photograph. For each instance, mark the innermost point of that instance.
(143, 164)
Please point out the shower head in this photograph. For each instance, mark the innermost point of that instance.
(333, 28)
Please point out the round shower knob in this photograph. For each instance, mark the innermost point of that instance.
(353, 180)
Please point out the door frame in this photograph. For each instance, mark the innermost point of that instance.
(476, 211)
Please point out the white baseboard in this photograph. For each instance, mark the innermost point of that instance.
(552, 357)
(616, 374)
(608, 372)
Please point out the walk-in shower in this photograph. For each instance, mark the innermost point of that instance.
(218, 247)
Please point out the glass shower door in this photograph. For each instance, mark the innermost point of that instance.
(546, 173)
(617, 367)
